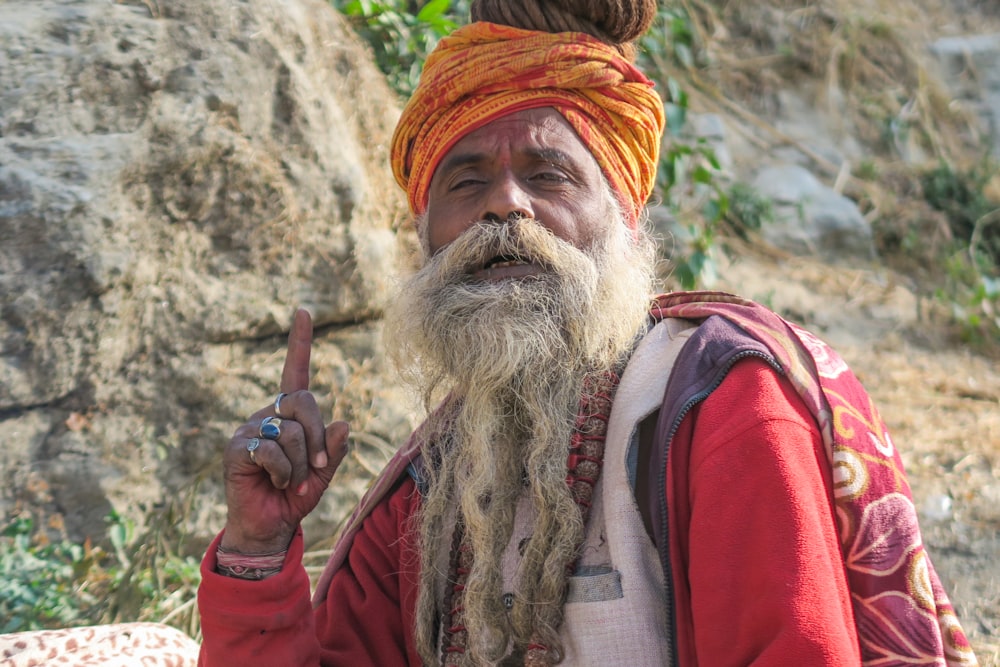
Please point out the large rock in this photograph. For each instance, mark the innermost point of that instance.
(812, 219)
(970, 66)
(175, 178)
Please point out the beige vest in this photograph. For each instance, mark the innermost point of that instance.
(615, 613)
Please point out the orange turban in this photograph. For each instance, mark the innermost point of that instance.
(484, 71)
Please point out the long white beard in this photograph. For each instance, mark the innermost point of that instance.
(514, 355)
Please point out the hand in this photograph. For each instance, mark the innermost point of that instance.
(267, 499)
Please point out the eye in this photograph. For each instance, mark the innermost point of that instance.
(550, 175)
(464, 179)
(460, 183)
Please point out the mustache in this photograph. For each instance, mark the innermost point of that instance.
(487, 243)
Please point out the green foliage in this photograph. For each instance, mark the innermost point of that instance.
(689, 179)
(63, 584)
(41, 585)
(152, 578)
(971, 287)
(748, 209)
(669, 42)
(668, 45)
(401, 35)
(974, 300)
(867, 170)
(960, 195)
(686, 177)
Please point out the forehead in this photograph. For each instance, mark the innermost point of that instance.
(532, 132)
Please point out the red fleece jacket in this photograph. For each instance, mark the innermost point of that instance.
(757, 572)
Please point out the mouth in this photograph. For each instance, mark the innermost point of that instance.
(504, 261)
(502, 267)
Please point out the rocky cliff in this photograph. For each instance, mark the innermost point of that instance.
(175, 178)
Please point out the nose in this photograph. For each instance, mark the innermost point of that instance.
(506, 199)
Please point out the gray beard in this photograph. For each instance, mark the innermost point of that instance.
(513, 355)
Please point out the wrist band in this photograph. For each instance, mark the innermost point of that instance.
(246, 566)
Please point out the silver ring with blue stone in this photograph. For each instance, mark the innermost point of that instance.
(270, 428)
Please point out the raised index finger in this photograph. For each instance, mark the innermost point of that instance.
(295, 374)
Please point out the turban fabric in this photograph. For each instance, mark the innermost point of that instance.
(484, 71)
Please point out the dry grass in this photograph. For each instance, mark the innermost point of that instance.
(865, 65)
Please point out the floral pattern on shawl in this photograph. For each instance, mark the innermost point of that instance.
(902, 613)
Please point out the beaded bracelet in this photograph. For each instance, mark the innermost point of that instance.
(246, 566)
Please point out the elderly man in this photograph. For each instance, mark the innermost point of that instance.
(607, 478)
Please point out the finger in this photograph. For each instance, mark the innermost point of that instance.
(272, 458)
(267, 458)
(301, 406)
(237, 451)
(295, 374)
(337, 444)
(293, 444)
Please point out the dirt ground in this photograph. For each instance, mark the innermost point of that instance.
(940, 400)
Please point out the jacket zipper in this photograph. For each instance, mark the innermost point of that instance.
(662, 487)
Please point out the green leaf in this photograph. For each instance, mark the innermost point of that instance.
(353, 8)
(712, 158)
(117, 535)
(683, 54)
(686, 277)
(702, 175)
(433, 10)
(674, 89)
(712, 210)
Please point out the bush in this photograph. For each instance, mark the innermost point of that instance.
(960, 195)
(971, 284)
(64, 584)
(43, 585)
(401, 35)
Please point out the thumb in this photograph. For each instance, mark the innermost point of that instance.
(337, 446)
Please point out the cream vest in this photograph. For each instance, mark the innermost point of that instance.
(615, 612)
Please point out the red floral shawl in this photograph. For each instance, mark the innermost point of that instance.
(902, 613)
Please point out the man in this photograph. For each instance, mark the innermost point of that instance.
(607, 478)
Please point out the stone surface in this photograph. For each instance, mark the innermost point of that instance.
(175, 178)
(812, 219)
(970, 66)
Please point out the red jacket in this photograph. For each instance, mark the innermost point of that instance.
(756, 572)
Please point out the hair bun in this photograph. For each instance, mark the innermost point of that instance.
(616, 22)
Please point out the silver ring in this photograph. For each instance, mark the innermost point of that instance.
(252, 446)
(277, 403)
(270, 428)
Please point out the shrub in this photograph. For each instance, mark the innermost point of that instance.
(401, 35)
(61, 584)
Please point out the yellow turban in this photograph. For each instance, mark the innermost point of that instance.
(484, 71)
